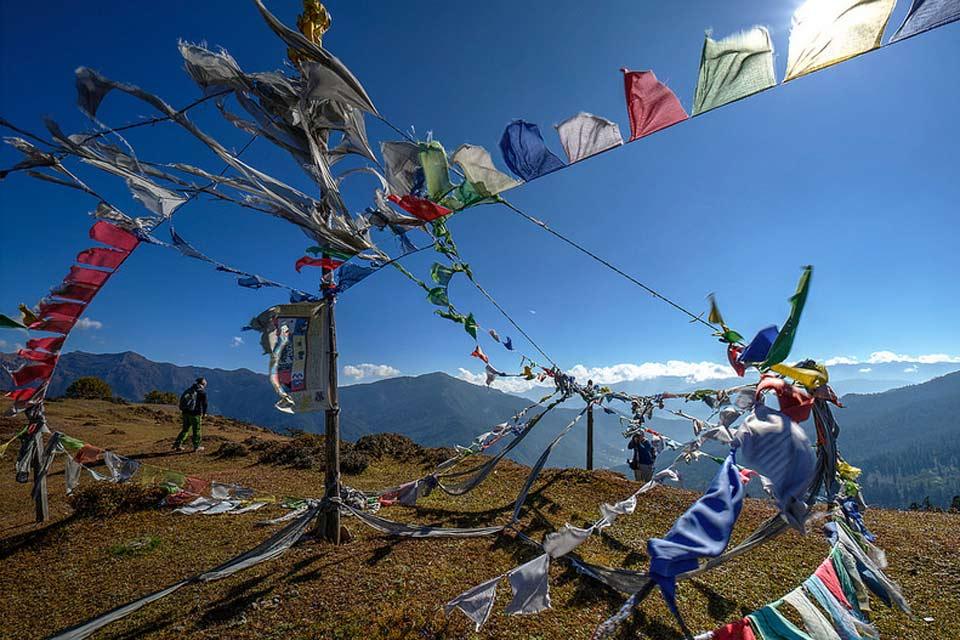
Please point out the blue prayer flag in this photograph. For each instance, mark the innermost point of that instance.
(525, 152)
(925, 15)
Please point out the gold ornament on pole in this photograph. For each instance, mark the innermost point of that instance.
(313, 23)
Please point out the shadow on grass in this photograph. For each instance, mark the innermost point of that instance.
(49, 534)
(237, 599)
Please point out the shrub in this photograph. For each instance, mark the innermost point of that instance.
(105, 499)
(232, 450)
(391, 445)
(353, 462)
(89, 388)
(161, 397)
(306, 451)
(432, 456)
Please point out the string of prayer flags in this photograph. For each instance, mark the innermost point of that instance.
(826, 32)
(480, 172)
(925, 15)
(651, 105)
(420, 208)
(585, 134)
(734, 68)
(525, 153)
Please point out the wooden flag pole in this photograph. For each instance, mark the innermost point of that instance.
(331, 518)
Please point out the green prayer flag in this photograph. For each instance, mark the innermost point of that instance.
(441, 274)
(467, 195)
(438, 296)
(452, 315)
(729, 336)
(71, 444)
(436, 172)
(6, 322)
(784, 342)
(471, 326)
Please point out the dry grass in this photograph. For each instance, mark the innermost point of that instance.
(381, 587)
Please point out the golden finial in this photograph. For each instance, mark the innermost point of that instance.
(313, 23)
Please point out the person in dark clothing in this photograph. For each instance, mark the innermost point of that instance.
(643, 459)
(193, 406)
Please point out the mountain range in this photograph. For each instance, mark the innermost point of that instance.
(905, 439)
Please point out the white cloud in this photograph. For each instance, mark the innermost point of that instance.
(689, 371)
(887, 357)
(236, 342)
(87, 323)
(841, 360)
(866, 370)
(366, 370)
(912, 369)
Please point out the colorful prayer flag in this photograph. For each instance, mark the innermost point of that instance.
(479, 170)
(925, 15)
(325, 263)
(733, 68)
(784, 342)
(826, 32)
(651, 105)
(436, 171)
(585, 135)
(63, 309)
(73, 291)
(420, 208)
(112, 235)
(100, 257)
(54, 324)
(89, 277)
(478, 353)
(525, 153)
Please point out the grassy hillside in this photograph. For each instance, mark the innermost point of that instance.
(377, 586)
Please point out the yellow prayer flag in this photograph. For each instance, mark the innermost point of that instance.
(826, 32)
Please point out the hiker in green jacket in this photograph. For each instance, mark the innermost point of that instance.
(193, 406)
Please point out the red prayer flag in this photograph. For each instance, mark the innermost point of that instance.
(196, 486)
(793, 403)
(54, 324)
(739, 630)
(37, 356)
(651, 105)
(327, 263)
(733, 356)
(420, 208)
(62, 309)
(74, 291)
(828, 575)
(23, 395)
(89, 277)
(478, 353)
(88, 454)
(30, 373)
(100, 257)
(113, 235)
(48, 344)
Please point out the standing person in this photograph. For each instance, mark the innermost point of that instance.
(193, 406)
(643, 459)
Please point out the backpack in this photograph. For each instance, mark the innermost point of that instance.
(188, 400)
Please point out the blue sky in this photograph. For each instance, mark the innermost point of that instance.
(852, 170)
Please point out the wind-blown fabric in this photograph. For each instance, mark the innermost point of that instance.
(781, 347)
(561, 542)
(531, 586)
(733, 68)
(111, 234)
(925, 15)
(476, 603)
(651, 105)
(817, 626)
(99, 257)
(525, 153)
(872, 574)
(421, 208)
(702, 531)
(793, 403)
(585, 135)
(771, 625)
(436, 171)
(846, 625)
(401, 160)
(826, 32)
(480, 171)
(775, 446)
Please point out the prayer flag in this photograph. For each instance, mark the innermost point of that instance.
(476, 603)
(585, 135)
(925, 15)
(100, 257)
(420, 208)
(759, 347)
(480, 171)
(88, 454)
(784, 343)
(438, 296)
(651, 105)
(54, 324)
(23, 395)
(112, 235)
(525, 153)
(826, 32)
(471, 326)
(436, 171)
(325, 263)
(64, 309)
(733, 68)
(401, 161)
(478, 353)
(90, 277)
(73, 291)
(37, 356)
(6, 322)
(793, 403)
(531, 586)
